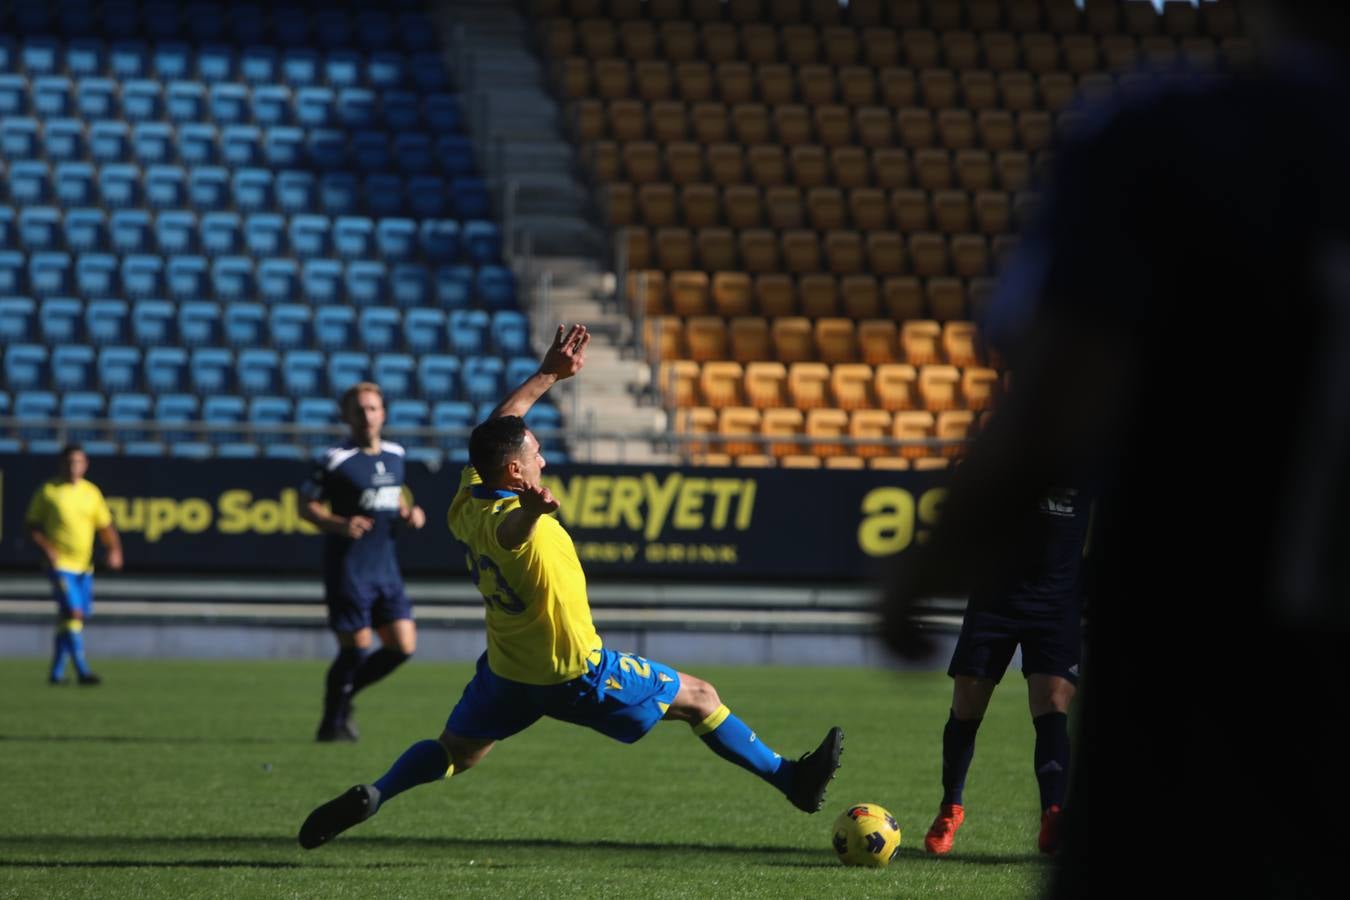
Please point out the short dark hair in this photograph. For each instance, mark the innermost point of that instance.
(493, 444)
(72, 447)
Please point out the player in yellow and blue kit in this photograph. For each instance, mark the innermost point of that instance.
(63, 517)
(544, 657)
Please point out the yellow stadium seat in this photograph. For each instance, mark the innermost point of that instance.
(742, 205)
(836, 340)
(721, 47)
(574, 73)
(775, 83)
(919, 339)
(750, 339)
(700, 205)
(954, 425)
(765, 384)
(818, 295)
(636, 246)
(1120, 51)
(816, 85)
(1000, 50)
(974, 170)
(684, 163)
(1014, 170)
(960, 343)
(645, 290)
(792, 339)
(878, 341)
(979, 387)
(775, 295)
(716, 249)
(736, 421)
(849, 167)
(845, 462)
(809, 166)
(751, 124)
(916, 128)
(679, 43)
(867, 209)
(1023, 15)
(641, 161)
(559, 36)
(731, 295)
(695, 424)
(921, 46)
(800, 461)
(826, 423)
(903, 297)
(978, 89)
(933, 168)
(1034, 130)
(938, 87)
(783, 423)
(894, 386)
(688, 293)
(706, 337)
(768, 165)
(638, 39)
(899, 87)
(694, 81)
(885, 253)
(801, 44)
(825, 208)
(720, 382)
(945, 298)
(664, 337)
(834, 125)
(808, 385)
(993, 213)
(995, 128)
(1081, 55)
(801, 251)
(970, 255)
(930, 463)
(628, 122)
(1057, 90)
(678, 382)
(956, 129)
(891, 166)
(710, 122)
(783, 204)
(889, 463)
(755, 461)
(937, 387)
(587, 118)
(851, 384)
(657, 203)
(759, 250)
(598, 39)
(857, 86)
(668, 121)
(603, 159)
(653, 79)
(844, 252)
(951, 211)
(928, 253)
(859, 296)
(759, 43)
(881, 47)
(674, 248)
(1018, 90)
(870, 424)
(618, 203)
(913, 425)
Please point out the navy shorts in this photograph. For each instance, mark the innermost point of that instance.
(621, 695)
(1050, 646)
(352, 607)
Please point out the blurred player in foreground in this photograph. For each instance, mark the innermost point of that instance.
(63, 517)
(544, 657)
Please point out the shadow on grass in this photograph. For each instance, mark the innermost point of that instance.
(136, 739)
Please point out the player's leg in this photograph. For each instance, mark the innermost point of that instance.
(1051, 654)
(354, 639)
(392, 615)
(82, 604)
(65, 615)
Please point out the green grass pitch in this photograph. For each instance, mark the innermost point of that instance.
(190, 779)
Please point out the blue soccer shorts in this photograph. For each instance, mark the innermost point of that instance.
(73, 592)
(353, 606)
(1050, 646)
(621, 695)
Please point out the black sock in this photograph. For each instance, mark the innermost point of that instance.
(376, 666)
(958, 749)
(1052, 757)
(338, 687)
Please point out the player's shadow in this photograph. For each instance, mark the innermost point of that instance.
(136, 739)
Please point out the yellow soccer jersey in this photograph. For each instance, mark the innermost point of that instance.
(70, 515)
(539, 626)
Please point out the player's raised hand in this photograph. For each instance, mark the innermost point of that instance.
(357, 526)
(567, 354)
(537, 500)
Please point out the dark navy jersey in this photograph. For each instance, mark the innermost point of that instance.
(360, 484)
(1041, 571)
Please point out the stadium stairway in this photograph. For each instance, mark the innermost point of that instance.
(553, 243)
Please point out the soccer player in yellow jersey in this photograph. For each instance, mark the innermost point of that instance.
(63, 517)
(544, 657)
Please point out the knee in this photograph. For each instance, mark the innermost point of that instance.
(461, 757)
(703, 698)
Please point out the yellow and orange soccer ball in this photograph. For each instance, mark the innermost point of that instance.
(866, 835)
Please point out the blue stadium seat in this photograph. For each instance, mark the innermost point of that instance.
(405, 414)
(438, 376)
(302, 373)
(300, 67)
(379, 328)
(16, 319)
(94, 447)
(186, 277)
(271, 104)
(347, 368)
(39, 228)
(35, 411)
(40, 56)
(175, 232)
(7, 228)
(334, 327)
(518, 369)
(215, 62)
(439, 239)
(415, 32)
(289, 324)
(326, 148)
(453, 419)
(153, 323)
(384, 195)
(424, 330)
(11, 272)
(141, 275)
(370, 151)
(467, 330)
(396, 238)
(220, 233)
(413, 153)
(428, 72)
(364, 280)
(94, 102)
(240, 145)
(126, 60)
(129, 231)
(105, 321)
(284, 146)
(228, 103)
(295, 191)
(25, 366)
(544, 419)
(309, 235)
(176, 409)
(170, 60)
(285, 451)
(386, 70)
(146, 449)
(257, 370)
(471, 197)
(118, 185)
(49, 274)
(454, 154)
(375, 28)
(333, 28)
(194, 449)
(52, 96)
(164, 187)
(29, 182)
(96, 274)
(428, 196)
(13, 95)
(223, 412)
(199, 323)
(395, 374)
(197, 144)
(353, 237)
(74, 184)
(59, 319)
(342, 68)
(118, 369)
(244, 324)
(232, 278)
(85, 229)
(252, 189)
(338, 193)
(109, 142)
(483, 378)
(63, 140)
(483, 241)
(208, 187)
(185, 101)
(265, 234)
(315, 107)
(321, 280)
(495, 287)
(165, 369)
(128, 410)
(442, 114)
(278, 280)
(140, 100)
(248, 23)
(409, 285)
(258, 65)
(237, 450)
(400, 111)
(317, 412)
(209, 370)
(454, 286)
(356, 108)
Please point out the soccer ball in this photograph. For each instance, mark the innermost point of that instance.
(866, 835)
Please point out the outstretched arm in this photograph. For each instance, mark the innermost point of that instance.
(112, 542)
(564, 358)
(516, 528)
